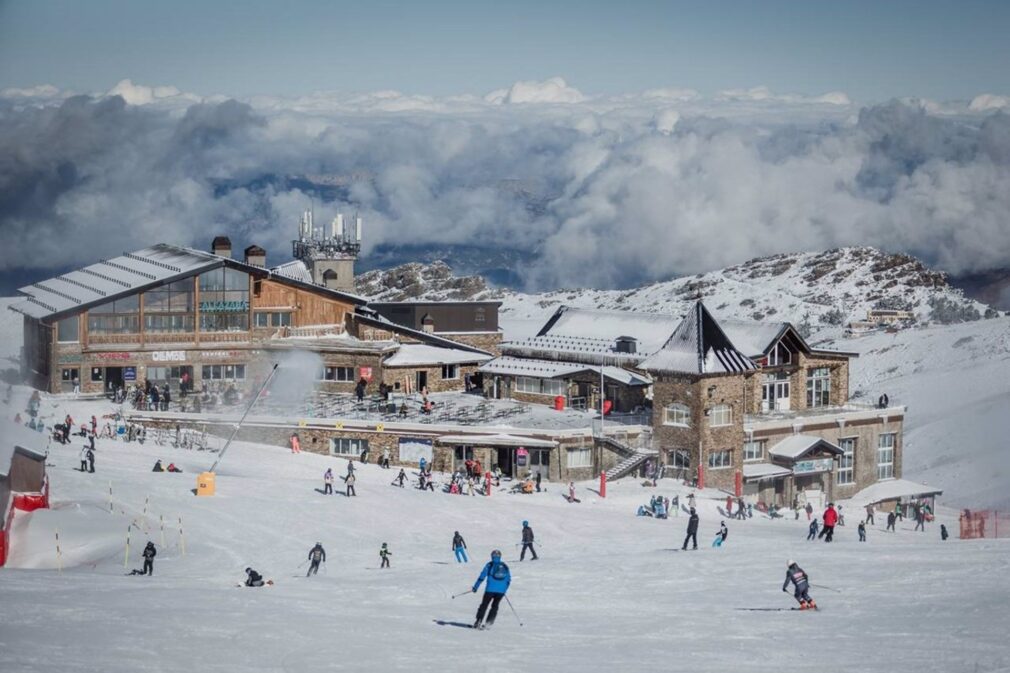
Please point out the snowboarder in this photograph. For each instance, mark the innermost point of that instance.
(527, 543)
(253, 578)
(384, 554)
(795, 574)
(692, 530)
(720, 536)
(830, 518)
(459, 548)
(149, 553)
(328, 482)
(862, 531)
(498, 577)
(812, 535)
(349, 481)
(400, 478)
(943, 532)
(890, 522)
(316, 555)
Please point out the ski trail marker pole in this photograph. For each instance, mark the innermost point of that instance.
(59, 554)
(513, 611)
(161, 519)
(182, 540)
(110, 497)
(126, 557)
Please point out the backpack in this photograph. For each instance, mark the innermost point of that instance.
(499, 571)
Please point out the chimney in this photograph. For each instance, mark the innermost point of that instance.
(221, 246)
(427, 323)
(256, 256)
(625, 344)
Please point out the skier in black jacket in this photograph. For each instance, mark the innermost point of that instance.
(692, 530)
(801, 580)
(316, 554)
(527, 542)
(149, 553)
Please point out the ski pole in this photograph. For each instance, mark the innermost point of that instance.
(462, 593)
(821, 586)
(513, 611)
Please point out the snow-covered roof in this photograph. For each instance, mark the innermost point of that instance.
(698, 346)
(295, 270)
(107, 279)
(649, 329)
(753, 338)
(575, 348)
(760, 471)
(892, 489)
(423, 354)
(549, 369)
(795, 446)
(498, 440)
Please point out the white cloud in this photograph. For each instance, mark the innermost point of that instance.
(988, 101)
(764, 94)
(553, 90)
(138, 94)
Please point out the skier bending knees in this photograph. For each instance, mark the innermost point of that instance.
(801, 581)
(498, 577)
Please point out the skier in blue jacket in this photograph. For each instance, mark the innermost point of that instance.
(498, 579)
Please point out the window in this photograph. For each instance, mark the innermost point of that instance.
(581, 456)
(846, 464)
(224, 300)
(719, 415)
(97, 373)
(168, 323)
(885, 456)
(818, 387)
(450, 372)
(753, 450)
(779, 355)
(165, 374)
(224, 372)
(272, 319)
(68, 375)
(68, 329)
(718, 460)
(116, 317)
(679, 458)
(529, 384)
(677, 414)
(539, 457)
(478, 315)
(174, 297)
(346, 446)
(336, 374)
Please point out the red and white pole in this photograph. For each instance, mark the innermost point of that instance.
(603, 484)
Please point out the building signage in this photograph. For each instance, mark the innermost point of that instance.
(112, 356)
(812, 466)
(521, 456)
(70, 359)
(129, 373)
(365, 373)
(210, 355)
(224, 306)
(169, 356)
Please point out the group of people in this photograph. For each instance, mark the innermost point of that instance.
(658, 507)
(158, 467)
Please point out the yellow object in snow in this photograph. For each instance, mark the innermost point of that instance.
(205, 483)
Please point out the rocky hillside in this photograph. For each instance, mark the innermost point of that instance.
(823, 288)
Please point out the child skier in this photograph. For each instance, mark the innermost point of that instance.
(720, 536)
(801, 581)
(459, 548)
(498, 580)
(862, 531)
(812, 535)
(384, 554)
(400, 478)
(149, 553)
(316, 554)
(350, 486)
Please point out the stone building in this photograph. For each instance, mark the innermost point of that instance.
(753, 409)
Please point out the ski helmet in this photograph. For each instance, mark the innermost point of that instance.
(525, 524)
(790, 563)
(248, 570)
(383, 544)
(496, 553)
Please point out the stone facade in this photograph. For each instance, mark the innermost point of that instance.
(394, 376)
(798, 371)
(486, 341)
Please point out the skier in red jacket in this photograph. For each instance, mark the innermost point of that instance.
(830, 520)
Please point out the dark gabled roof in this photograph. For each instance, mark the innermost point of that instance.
(698, 346)
(424, 337)
(255, 250)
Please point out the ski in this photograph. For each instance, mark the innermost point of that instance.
(778, 609)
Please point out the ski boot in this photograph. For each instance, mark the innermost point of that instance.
(477, 624)
(811, 605)
(803, 605)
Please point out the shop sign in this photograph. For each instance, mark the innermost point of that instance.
(224, 306)
(129, 373)
(521, 457)
(220, 355)
(812, 466)
(365, 373)
(169, 356)
(70, 359)
(112, 356)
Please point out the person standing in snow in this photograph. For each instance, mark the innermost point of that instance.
(862, 531)
(690, 501)
(692, 530)
(498, 577)
(384, 554)
(385, 459)
(812, 535)
(84, 459)
(316, 555)
(890, 522)
(729, 505)
(830, 518)
(350, 467)
(459, 548)
(527, 542)
(920, 519)
(349, 481)
(91, 460)
(538, 482)
(741, 510)
(359, 389)
(328, 482)
(943, 532)
(801, 581)
(869, 515)
(720, 536)
(149, 553)
(809, 510)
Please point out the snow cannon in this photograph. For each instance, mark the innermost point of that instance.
(205, 483)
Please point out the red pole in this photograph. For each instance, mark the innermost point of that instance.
(701, 477)
(739, 483)
(487, 482)
(603, 484)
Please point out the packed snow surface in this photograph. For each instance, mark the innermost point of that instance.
(611, 591)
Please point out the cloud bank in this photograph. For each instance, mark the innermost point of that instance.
(607, 192)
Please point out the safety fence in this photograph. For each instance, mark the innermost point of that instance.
(981, 524)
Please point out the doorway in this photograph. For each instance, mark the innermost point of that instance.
(775, 392)
(506, 463)
(113, 378)
(421, 379)
(540, 463)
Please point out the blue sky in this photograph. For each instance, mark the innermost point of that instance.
(871, 50)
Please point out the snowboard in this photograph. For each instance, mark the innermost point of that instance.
(266, 583)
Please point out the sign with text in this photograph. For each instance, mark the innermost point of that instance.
(813, 466)
(223, 306)
(111, 356)
(129, 373)
(169, 356)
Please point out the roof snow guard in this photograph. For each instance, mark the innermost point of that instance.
(698, 346)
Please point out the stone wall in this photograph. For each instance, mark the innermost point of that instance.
(486, 341)
(436, 384)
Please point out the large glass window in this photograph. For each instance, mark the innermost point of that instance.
(679, 458)
(68, 329)
(167, 323)
(847, 462)
(677, 414)
(336, 374)
(174, 297)
(718, 460)
(779, 355)
(754, 450)
(818, 387)
(450, 372)
(116, 317)
(885, 456)
(224, 300)
(581, 456)
(223, 372)
(529, 384)
(272, 319)
(165, 374)
(719, 415)
(346, 446)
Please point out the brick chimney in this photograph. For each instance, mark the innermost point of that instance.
(256, 256)
(221, 246)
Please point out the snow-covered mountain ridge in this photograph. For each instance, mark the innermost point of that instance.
(819, 288)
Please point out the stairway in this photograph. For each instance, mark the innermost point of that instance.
(633, 457)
